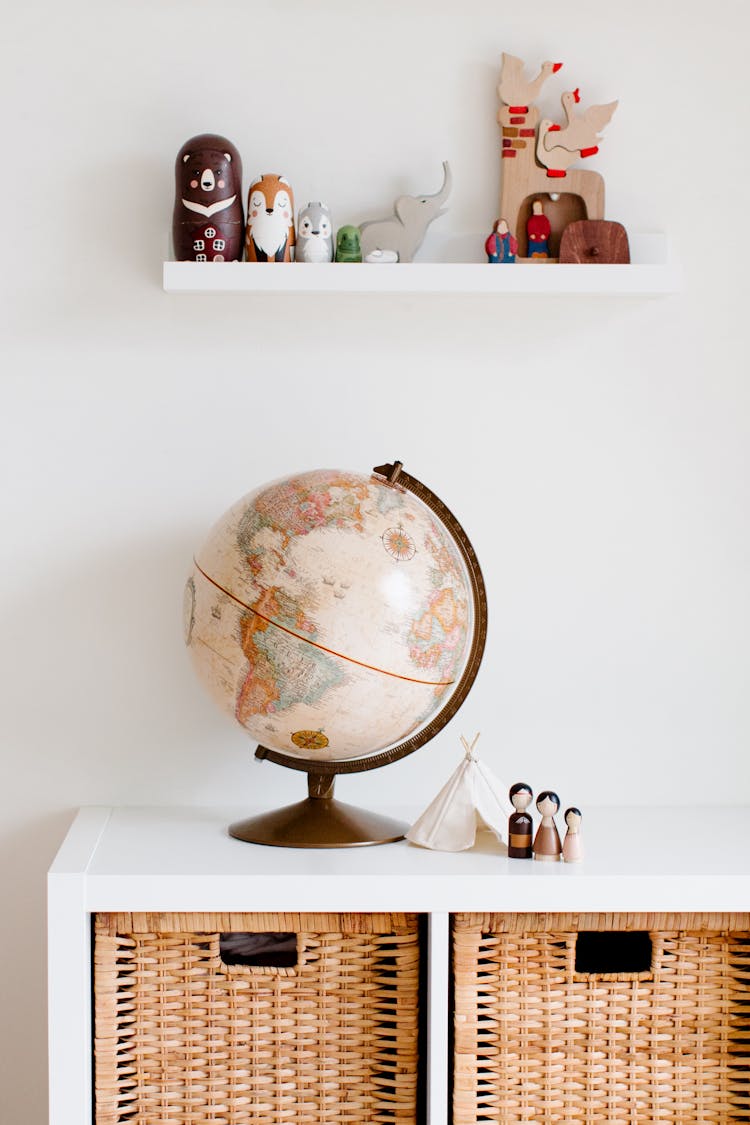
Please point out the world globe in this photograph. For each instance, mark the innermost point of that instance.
(339, 618)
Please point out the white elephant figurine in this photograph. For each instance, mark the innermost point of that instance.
(405, 232)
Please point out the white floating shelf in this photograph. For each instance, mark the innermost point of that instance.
(650, 273)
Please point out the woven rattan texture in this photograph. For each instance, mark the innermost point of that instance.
(182, 1038)
(536, 1041)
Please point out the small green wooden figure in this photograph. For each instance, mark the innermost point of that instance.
(348, 247)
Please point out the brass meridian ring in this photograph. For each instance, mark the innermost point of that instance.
(396, 477)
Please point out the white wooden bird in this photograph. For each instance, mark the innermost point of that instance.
(581, 134)
(516, 90)
(555, 158)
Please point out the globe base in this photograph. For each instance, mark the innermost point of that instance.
(319, 822)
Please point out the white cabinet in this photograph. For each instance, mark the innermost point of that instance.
(182, 860)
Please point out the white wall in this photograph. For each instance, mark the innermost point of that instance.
(596, 451)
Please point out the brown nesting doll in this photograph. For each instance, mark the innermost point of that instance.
(520, 824)
(208, 222)
(270, 220)
(547, 844)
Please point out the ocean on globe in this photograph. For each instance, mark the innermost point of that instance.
(330, 613)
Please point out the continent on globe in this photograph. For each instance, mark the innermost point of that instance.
(331, 614)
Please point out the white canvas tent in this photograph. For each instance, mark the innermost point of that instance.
(472, 798)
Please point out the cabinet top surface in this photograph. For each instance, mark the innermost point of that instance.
(183, 859)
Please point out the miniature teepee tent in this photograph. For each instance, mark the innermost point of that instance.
(473, 797)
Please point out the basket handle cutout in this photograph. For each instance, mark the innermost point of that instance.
(259, 950)
(614, 952)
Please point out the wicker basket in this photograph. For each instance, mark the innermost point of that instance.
(185, 1039)
(538, 1040)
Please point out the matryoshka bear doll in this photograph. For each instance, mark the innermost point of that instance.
(208, 221)
(270, 220)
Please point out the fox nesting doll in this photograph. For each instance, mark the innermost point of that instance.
(270, 220)
(208, 222)
(314, 234)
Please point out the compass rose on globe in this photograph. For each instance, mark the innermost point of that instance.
(399, 544)
(340, 618)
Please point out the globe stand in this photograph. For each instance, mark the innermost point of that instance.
(320, 821)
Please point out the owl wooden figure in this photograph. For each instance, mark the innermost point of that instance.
(270, 220)
(314, 234)
(208, 222)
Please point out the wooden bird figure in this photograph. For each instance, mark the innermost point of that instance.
(555, 159)
(516, 90)
(581, 134)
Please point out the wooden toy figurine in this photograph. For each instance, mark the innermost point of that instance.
(517, 91)
(207, 222)
(547, 844)
(405, 231)
(538, 230)
(270, 220)
(314, 234)
(520, 824)
(573, 847)
(501, 246)
(537, 159)
(348, 247)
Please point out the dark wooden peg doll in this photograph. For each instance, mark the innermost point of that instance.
(547, 844)
(208, 221)
(573, 845)
(520, 824)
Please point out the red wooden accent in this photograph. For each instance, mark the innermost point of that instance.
(511, 152)
(589, 151)
(517, 120)
(518, 108)
(553, 173)
(526, 133)
(554, 128)
(506, 142)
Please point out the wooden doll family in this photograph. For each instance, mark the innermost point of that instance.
(209, 223)
(546, 844)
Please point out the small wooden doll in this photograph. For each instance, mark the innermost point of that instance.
(270, 220)
(207, 222)
(348, 245)
(538, 230)
(547, 844)
(573, 847)
(501, 246)
(314, 234)
(520, 824)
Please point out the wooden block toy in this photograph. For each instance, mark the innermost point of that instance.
(595, 241)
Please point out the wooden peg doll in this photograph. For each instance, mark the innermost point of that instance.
(501, 246)
(573, 846)
(547, 844)
(520, 824)
(538, 230)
